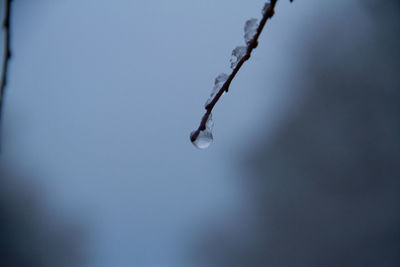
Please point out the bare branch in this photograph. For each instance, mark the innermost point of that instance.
(268, 13)
(7, 53)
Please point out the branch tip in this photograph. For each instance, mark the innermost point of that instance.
(268, 13)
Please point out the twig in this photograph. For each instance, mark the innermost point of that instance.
(269, 12)
(7, 53)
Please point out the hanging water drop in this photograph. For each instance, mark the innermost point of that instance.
(237, 54)
(204, 138)
(250, 29)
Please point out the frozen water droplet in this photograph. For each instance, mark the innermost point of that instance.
(250, 29)
(219, 82)
(237, 55)
(203, 140)
(205, 137)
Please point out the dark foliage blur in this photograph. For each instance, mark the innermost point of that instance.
(31, 235)
(326, 186)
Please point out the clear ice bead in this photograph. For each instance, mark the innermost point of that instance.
(205, 137)
(203, 140)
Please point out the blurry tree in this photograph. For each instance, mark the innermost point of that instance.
(29, 235)
(7, 53)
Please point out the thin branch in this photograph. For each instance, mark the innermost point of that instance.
(7, 53)
(268, 13)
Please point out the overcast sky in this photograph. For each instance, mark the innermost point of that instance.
(102, 97)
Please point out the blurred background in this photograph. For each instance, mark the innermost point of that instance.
(97, 168)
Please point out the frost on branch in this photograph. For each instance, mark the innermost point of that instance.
(250, 29)
(202, 137)
(237, 55)
(219, 82)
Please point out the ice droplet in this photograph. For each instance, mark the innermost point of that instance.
(219, 82)
(250, 29)
(205, 137)
(203, 140)
(237, 55)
